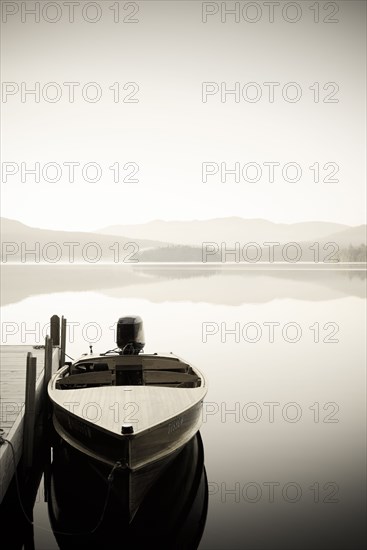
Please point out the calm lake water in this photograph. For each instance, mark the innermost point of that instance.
(284, 353)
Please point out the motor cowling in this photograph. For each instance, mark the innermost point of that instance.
(130, 335)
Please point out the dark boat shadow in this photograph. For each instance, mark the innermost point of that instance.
(85, 510)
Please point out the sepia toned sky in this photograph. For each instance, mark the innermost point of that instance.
(170, 132)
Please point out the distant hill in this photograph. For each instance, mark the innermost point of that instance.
(354, 236)
(194, 232)
(327, 252)
(54, 246)
(188, 238)
(17, 238)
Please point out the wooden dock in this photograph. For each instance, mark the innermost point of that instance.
(24, 374)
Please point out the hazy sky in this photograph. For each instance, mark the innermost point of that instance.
(170, 131)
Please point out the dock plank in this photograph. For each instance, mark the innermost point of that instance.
(13, 360)
(12, 380)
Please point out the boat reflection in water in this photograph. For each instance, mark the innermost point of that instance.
(87, 509)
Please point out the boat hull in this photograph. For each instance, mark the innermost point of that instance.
(170, 513)
(132, 451)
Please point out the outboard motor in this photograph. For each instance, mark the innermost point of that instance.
(130, 335)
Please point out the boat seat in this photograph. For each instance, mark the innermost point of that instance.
(87, 379)
(170, 377)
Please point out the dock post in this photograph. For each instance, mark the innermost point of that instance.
(47, 373)
(55, 330)
(46, 411)
(30, 411)
(63, 342)
(48, 363)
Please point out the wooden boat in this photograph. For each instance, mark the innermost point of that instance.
(124, 408)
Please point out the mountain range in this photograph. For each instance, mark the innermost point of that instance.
(180, 241)
(234, 229)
